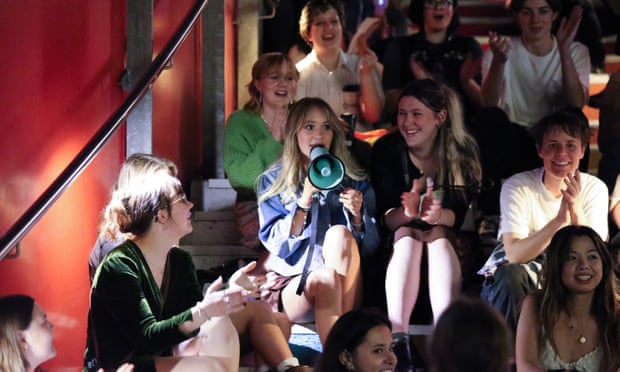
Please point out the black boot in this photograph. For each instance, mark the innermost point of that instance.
(403, 354)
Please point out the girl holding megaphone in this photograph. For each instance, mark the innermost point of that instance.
(315, 228)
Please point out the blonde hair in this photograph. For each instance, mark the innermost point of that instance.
(135, 166)
(15, 316)
(294, 162)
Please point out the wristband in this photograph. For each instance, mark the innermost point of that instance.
(303, 208)
(200, 313)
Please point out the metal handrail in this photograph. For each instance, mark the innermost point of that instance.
(27, 220)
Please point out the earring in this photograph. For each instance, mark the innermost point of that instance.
(260, 98)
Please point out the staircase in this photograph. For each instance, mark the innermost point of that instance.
(215, 239)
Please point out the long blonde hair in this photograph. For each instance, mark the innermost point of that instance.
(455, 149)
(294, 162)
(15, 316)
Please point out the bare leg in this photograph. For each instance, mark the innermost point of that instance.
(217, 343)
(340, 252)
(320, 301)
(402, 282)
(257, 321)
(444, 275)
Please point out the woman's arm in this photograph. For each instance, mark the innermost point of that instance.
(527, 338)
(279, 222)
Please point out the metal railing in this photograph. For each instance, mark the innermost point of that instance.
(27, 220)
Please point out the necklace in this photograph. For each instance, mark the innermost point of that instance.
(582, 338)
(265, 120)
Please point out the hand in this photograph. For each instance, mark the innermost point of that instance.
(269, 283)
(305, 200)
(431, 208)
(352, 200)
(568, 28)
(410, 201)
(241, 279)
(500, 46)
(417, 69)
(359, 41)
(220, 303)
(470, 68)
(368, 61)
(572, 194)
(278, 124)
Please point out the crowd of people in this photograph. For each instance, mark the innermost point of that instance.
(457, 119)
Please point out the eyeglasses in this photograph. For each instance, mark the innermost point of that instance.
(180, 199)
(437, 3)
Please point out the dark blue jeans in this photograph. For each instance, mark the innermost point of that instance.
(506, 290)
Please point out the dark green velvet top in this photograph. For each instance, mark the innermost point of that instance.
(130, 318)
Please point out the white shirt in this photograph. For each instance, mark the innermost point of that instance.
(526, 205)
(532, 86)
(316, 81)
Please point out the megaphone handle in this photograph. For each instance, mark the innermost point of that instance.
(314, 217)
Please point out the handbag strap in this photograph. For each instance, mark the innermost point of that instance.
(314, 214)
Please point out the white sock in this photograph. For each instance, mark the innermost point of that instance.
(287, 363)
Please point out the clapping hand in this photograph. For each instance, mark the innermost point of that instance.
(568, 28)
(571, 195)
(500, 46)
(426, 208)
(410, 201)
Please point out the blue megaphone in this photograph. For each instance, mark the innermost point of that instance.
(326, 171)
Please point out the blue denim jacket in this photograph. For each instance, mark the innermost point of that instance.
(288, 253)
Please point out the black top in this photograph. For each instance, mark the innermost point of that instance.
(390, 180)
(443, 61)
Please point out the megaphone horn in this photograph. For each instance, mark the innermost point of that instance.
(326, 170)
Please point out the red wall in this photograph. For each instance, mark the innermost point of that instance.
(61, 61)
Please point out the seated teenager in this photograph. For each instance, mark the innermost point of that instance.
(535, 204)
(146, 305)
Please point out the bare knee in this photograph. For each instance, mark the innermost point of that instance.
(323, 280)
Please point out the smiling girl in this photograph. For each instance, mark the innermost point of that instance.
(572, 322)
(431, 147)
(344, 226)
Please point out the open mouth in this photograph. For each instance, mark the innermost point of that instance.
(561, 163)
(584, 278)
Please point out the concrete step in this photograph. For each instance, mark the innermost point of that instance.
(208, 256)
(213, 228)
